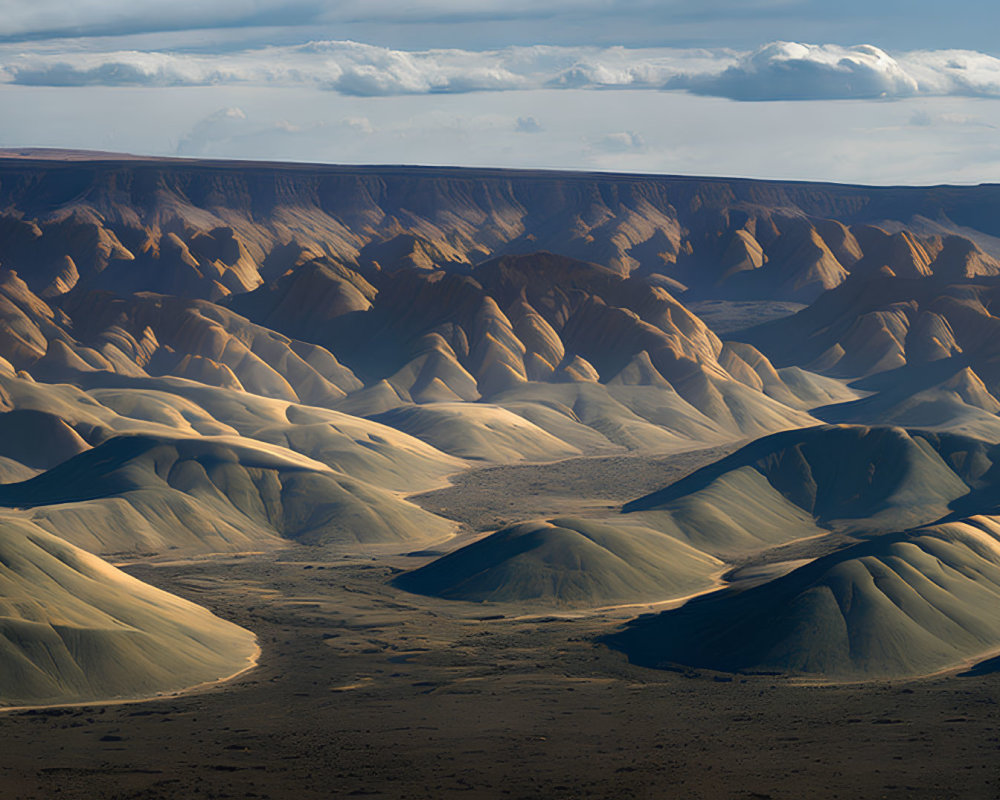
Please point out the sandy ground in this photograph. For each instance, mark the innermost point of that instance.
(363, 690)
(490, 498)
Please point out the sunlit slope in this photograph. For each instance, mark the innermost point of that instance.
(74, 629)
(566, 562)
(923, 346)
(140, 494)
(365, 449)
(51, 422)
(479, 432)
(900, 605)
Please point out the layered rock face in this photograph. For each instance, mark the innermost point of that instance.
(215, 229)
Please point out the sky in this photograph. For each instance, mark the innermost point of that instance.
(877, 92)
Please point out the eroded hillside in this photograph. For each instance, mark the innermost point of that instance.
(201, 358)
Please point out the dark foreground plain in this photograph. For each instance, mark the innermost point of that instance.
(364, 690)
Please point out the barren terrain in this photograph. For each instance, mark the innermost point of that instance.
(580, 414)
(364, 690)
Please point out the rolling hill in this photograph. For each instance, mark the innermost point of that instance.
(796, 485)
(567, 562)
(139, 494)
(74, 629)
(901, 605)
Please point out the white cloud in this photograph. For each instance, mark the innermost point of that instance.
(953, 72)
(360, 125)
(362, 70)
(792, 71)
(222, 125)
(622, 142)
(778, 71)
(527, 125)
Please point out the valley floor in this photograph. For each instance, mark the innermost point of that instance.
(364, 690)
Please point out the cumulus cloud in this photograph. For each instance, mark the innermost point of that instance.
(221, 125)
(621, 142)
(527, 125)
(118, 69)
(792, 71)
(778, 71)
(953, 72)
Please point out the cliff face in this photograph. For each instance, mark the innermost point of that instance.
(216, 228)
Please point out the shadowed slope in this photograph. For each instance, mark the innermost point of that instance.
(900, 605)
(801, 483)
(75, 629)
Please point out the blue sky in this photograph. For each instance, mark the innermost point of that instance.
(874, 92)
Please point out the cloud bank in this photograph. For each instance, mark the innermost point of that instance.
(777, 71)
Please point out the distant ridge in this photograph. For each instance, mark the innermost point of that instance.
(57, 154)
(61, 154)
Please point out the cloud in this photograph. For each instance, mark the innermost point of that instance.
(527, 125)
(623, 142)
(359, 125)
(363, 70)
(924, 119)
(954, 72)
(221, 125)
(778, 71)
(118, 69)
(792, 71)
